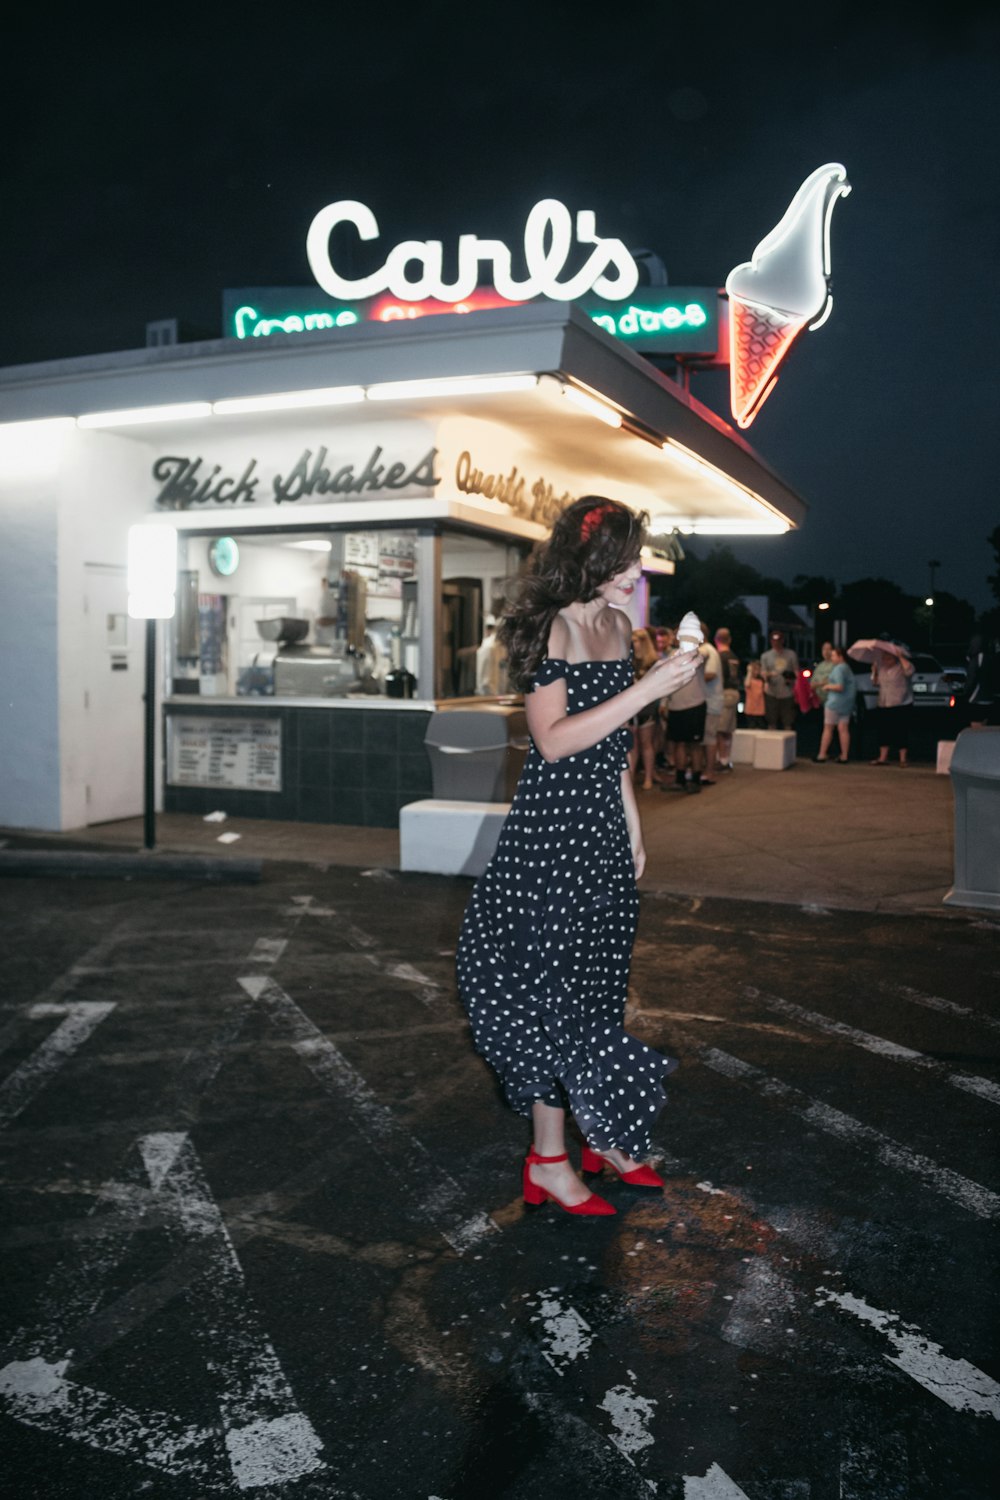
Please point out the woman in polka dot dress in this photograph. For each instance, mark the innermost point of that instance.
(546, 942)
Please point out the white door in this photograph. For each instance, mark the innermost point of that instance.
(113, 687)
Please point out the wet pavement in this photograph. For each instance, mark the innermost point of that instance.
(263, 1231)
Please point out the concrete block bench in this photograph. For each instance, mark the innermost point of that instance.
(774, 750)
(441, 837)
(744, 745)
(764, 749)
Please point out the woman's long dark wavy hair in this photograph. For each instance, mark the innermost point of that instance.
(592, 542)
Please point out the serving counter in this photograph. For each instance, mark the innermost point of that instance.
(308, 760)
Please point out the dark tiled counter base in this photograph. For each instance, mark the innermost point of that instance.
(352, 765)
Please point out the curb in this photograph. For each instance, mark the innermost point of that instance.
(150, 865)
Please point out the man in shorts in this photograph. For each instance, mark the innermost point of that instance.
(687, 732)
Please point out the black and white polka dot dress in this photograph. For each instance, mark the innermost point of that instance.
(546, 942)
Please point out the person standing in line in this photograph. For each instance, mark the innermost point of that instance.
(780, 667)
(891, 674)
(664, 639)
(643, 726)
(544, 951)
(821, 673)
(686, 710)
(753, 703)
(730, 678)
(714, 704)
(840, 691)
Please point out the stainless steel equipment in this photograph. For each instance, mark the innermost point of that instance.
(283, 628)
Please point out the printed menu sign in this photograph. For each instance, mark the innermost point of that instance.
(238, 753)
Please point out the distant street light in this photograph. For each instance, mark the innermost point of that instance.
(929, 601)
(823, 606)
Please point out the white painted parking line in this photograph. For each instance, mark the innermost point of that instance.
(268, 1439)
(566, 1336)
(715, 1485)
(954, 1381)
(412, 1164)
(264, 1438)
(970, 1195)
(937, 1002)
(80, 1019)
(266, 950)
(970, 1083)
(630, 1416)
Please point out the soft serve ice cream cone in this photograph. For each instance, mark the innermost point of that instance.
(689, 632)
(784, 289)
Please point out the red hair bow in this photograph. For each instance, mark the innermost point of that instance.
(592, 520)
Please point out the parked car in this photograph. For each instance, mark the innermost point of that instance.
(931, 685)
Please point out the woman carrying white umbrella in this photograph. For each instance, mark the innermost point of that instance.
(891, 673)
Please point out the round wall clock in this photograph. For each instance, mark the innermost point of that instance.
(223, 556)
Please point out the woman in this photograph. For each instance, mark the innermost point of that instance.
(839, 693)
(644, 656)
(545, 945)
(753, 704)
(891, 674)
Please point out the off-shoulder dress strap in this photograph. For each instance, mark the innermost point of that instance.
(550, 670)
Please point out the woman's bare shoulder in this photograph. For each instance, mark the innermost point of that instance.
(624, 627)
(559, 638)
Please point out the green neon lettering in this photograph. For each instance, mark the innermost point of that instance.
(635, 321)
(318, 320)
(238, 317)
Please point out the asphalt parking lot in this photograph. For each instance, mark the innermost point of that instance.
(264, 1234)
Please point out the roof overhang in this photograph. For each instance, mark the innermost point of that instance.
(591, 416)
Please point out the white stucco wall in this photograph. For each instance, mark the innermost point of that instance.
(31, 457)
(104, 488)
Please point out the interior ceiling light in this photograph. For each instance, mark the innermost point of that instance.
(464, 385)
(598, 409)
(334, 395)
(136, 416)
(310, 545)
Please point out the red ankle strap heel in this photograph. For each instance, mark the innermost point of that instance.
(534, 1195)
(638, 1177)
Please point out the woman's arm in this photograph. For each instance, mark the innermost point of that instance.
(557, 734)
(633, 824)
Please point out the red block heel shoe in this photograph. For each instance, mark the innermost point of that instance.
(638, 1177)
(533, 1194)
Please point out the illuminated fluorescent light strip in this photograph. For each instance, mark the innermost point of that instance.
(723, 526)
(38, 427)
(708, 470)
(138, 415)
(598, 409)
(335, 395)
(466, 385)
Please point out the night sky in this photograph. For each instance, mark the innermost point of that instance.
(149, 165)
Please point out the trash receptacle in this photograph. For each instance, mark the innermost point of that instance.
(477, 753)
(975, 779)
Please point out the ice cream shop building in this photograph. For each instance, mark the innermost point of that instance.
(354, 471)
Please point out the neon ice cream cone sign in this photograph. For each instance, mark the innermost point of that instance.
(773, 298)
(782, 291)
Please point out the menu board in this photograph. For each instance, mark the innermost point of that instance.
(238, 753)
